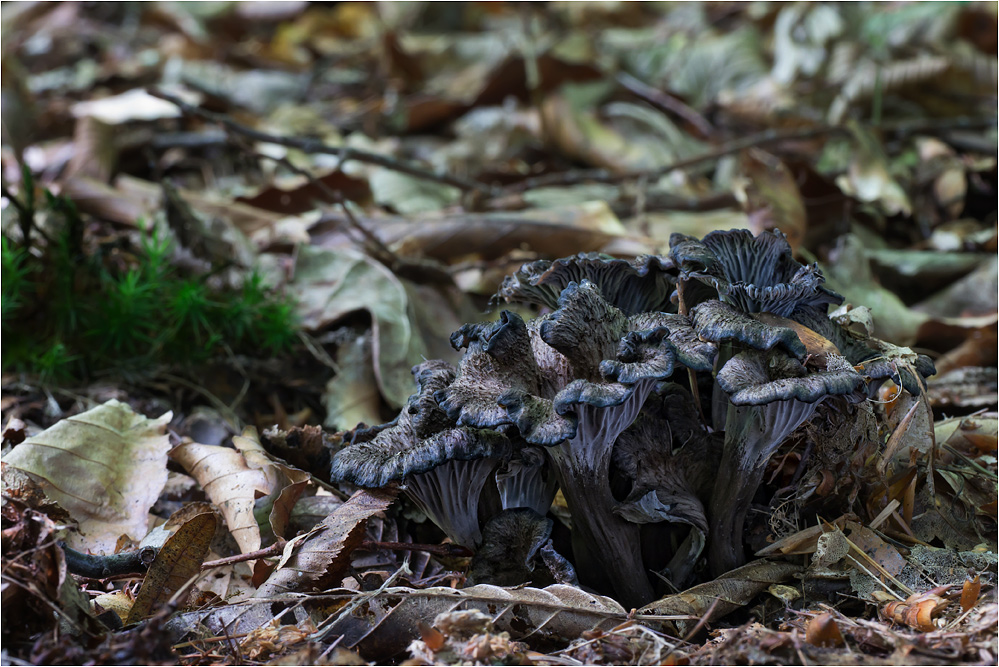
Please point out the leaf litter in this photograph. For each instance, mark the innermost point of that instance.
(386, 166)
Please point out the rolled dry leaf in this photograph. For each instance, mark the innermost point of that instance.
(918, 610)
(970, 592)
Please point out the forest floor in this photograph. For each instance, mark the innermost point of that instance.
(230, 231)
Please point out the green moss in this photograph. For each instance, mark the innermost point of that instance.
(68, 314)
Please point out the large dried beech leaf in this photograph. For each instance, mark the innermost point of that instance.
(232, 483)
(106, 467)
(324, 556)
(178, 560)
(331, 284)
(727, 593)
(384, 623)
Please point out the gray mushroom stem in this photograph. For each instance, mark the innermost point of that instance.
(752, 435)
(606, 547)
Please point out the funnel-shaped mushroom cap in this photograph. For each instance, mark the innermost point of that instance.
(755, 377)
(633, 286)
(416, 441)
(397, 452)
(500, 356)
(689, 348)
(755, 274)
(426, 415)
(717, 321)
(585, 328)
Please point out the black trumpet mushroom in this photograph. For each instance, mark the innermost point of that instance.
(771, 395)
(760, 300)
(455, 474)
(586, 398)
(572, 381)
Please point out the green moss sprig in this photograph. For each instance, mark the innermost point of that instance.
(69, 315)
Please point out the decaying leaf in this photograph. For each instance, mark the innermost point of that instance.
(106, 467)
(386, 621)
(330, 285)
(727, 593)
(352, 396)
(321, 558)
(176, 563)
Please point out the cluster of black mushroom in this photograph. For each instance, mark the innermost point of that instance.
(651, 392)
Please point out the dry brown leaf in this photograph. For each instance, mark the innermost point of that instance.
(106, 467)
(556, 232)
(176, 563)
(386, 621)
(772, 198)
(322, 558)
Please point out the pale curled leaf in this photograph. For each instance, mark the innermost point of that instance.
(230, 483)
(322, 558)
(287, 482)
(106, 467)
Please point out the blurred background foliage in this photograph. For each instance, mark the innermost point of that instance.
(345, 183)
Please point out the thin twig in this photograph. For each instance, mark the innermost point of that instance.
(665, 101)
(273, 550)
(331, 622)
(313, 146)
(759, 139)
(446, 550)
